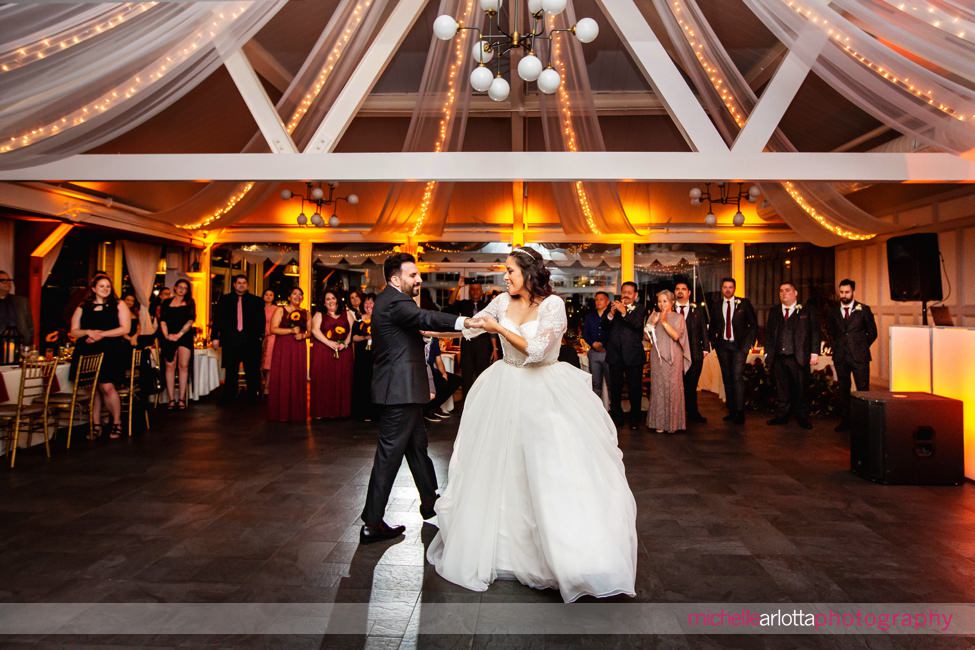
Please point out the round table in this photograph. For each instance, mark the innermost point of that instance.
(10, 384)
(711, 371)
(206, 375)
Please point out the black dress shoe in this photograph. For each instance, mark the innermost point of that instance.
(805, 424)
(729, 417)
(778, 420)
(427, 511)
(697, 417)
(379, 532)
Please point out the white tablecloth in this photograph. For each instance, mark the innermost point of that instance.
(711, 371)
(206, 375)
(11, 380)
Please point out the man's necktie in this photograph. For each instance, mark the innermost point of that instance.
(727, 321)
(846, 313)
(240, 313)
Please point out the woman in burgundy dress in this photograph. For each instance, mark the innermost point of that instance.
(287, 382)
(331, 360)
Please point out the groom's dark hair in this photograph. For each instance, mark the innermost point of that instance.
(394, 264)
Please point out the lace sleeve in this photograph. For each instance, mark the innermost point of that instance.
(552, 324)
(495, 309)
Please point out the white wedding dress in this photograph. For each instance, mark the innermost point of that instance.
(536, 488)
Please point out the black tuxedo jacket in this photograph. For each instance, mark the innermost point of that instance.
(399, 371)
(805, 333)
(697, 330)
(225, 318)
(744, 324)
(851, 337)
(624, 338)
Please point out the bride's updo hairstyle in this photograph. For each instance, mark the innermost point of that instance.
(537, 277)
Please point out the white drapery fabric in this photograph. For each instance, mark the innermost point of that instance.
(142, 261)
(570, 123)
(816, 211)
(302, 107)
(74, 77)
(438, 123)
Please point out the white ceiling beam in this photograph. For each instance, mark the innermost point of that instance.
(365, 76)
(780, 92)
(506, 166)
(259, 104)
(663, 76)
(267, 65)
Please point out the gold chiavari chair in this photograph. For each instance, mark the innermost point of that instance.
(82, 396)
(36, 377)
(131, 393)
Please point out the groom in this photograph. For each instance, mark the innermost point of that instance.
(400, 386)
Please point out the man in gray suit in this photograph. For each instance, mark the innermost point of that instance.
(15, 311)
(400, 386)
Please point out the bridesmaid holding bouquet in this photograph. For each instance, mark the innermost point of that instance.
(331, 360)
(287, 380)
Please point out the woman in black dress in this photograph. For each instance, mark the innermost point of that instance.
(356, 298)
(362, 406)
(99, 325)
(176, 320)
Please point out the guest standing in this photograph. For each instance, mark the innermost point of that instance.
(445, 384)
(356, 298)
(176, 318)
(331, 360)
(133, 306)
(269, 310)
(98, 326)
(15, 311)
(696, 321)
(670, 357)
(287, 383)
(733, 330)
(362, 405)
(852, 330)
(238, 329)
(623, 324)
(476, 355)
(595, 337)
(791, 350)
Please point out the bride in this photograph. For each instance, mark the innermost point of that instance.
(536, 489)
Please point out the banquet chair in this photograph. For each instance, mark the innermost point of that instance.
(36, 377)
(82, 396)
(132, 391)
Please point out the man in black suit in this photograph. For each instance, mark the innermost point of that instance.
(238, 328)
(852, 330)
(399, 385)
(791, 350)
(477, 354)
(623, 323)
(15, 311)
(733, 329)
(696, 319)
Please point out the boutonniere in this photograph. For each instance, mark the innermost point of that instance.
(859, 307)
(630, 308)
(799, 306)
(737, 301)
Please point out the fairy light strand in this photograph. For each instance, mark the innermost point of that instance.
(45, 47)
(738, 115)
(446, 116)
(568, 131)
(328, 66)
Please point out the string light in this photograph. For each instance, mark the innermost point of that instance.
(900, 81)
(446, 115)
(737, 113)
(78, 34)
(937, 17)
(300, 111)
(127, 89)
(464, 249)
(568, 131)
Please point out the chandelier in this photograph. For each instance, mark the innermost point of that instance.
(316, 195)
(495, 45)
(724, 197)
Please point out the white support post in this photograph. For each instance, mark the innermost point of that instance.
(259, 104)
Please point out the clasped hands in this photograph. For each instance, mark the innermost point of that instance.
(483, 323)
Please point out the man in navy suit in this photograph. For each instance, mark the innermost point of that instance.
(852, 330)
(733, 329)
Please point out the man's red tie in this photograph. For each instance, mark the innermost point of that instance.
(681, 307)
(846, 313)
(727, 322)
(788, 310)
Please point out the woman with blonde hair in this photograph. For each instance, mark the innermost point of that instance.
(669, 360)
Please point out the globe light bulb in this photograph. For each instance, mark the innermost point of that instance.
(316, 220)
(534, 6)
(695, 193)
(530, 67)
(482, 52)
(499, 89)
(754, 191)
(353, 199)
(302, 219)
(286, 194)
(445, 27)
(481, 78)
(710, 219)
(553, 6)
(549, 81)
(739, 219)
(317, 193)
(586, 30)
(333, 221)
(490, 5)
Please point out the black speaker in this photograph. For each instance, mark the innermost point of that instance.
(914, 268)
(907, 438)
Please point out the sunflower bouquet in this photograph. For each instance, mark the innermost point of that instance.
(297, 319)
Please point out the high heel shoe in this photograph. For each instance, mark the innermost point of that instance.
(181, 405)
(116, 432)
(96, 432)
(171, 406)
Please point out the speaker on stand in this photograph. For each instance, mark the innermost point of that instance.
(914, 270)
